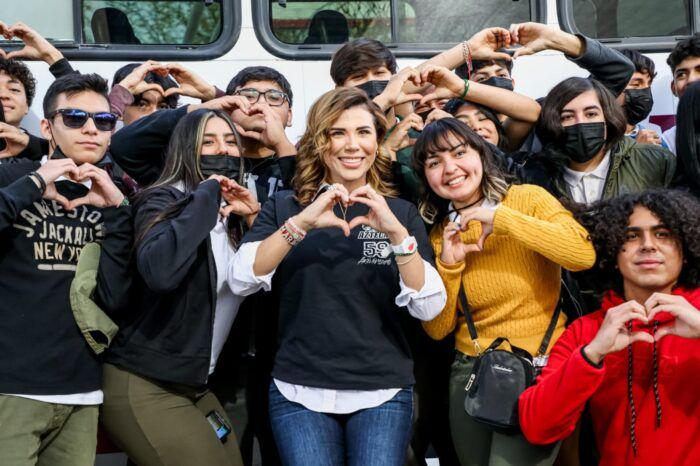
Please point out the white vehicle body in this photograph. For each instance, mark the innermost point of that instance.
(534, 75)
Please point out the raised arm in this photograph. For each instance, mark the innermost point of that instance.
(606, 65)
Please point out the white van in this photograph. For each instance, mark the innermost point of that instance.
(217, 38)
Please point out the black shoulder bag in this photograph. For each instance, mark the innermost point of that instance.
(499, 376)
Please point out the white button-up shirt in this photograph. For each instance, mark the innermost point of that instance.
(587, 187)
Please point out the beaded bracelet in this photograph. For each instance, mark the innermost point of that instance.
(296, 227)
(467, 55)
(292, 236)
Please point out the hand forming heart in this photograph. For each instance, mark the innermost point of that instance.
(50, 172)
(454, 250)
(687, 317)
(380, 217)
(189, 83)
(135, 82)
(394, 93)
(103, 192)
(239, 200)
(320, 214)
(35, 46)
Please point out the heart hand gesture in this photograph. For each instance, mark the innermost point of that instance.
(482, 215)
(394, 94)
(454, 250)
(447, 84)
(190, 84)
(52, 170)
(687, 322)
(380, 217)
(273, 135)
(35, 46)
(485, 43)
(320, 214)
(614, 334)
(239, 201)
(399, 139)
(16, 139)
(135, 82)
(103, 192)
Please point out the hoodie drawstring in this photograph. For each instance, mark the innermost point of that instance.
(630, 394)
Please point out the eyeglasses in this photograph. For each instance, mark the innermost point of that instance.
(76, 118)
(273, 97)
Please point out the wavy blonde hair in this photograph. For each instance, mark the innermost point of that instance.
(311, 170)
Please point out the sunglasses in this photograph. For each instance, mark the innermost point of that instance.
(273, 97)
(75, 118)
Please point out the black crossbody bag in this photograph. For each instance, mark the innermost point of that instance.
(499, 376)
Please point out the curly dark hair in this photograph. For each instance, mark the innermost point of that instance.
(607, 220)
(18, 70)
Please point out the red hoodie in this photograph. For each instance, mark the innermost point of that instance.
(550, 409)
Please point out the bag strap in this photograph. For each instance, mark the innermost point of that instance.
(466, 310)
(550, 330)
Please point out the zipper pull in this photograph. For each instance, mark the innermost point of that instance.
(470, 382)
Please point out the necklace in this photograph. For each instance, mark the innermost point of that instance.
(456, 210)
(343, 210)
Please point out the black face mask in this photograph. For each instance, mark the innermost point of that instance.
(373, 88)
(224, 165)
(638, 103)
(502, 83)
(583, 141)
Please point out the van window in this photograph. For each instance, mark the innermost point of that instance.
(608, 19)
(403, 23)
(131, 29)
(193, 22)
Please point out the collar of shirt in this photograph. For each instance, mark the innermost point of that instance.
(455, 217)
(573, 177)
(87, 183)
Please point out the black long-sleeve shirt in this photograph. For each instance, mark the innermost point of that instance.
(41, 347)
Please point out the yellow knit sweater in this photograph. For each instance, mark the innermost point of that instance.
(513, 284)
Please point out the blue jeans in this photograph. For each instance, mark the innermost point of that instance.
(370, 437)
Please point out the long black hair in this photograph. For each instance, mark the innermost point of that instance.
(688, 140)
(182, 168)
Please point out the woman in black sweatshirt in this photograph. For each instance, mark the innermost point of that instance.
(341, 389)
(157, 405)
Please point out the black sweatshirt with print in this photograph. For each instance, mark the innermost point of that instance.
(42, 351)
